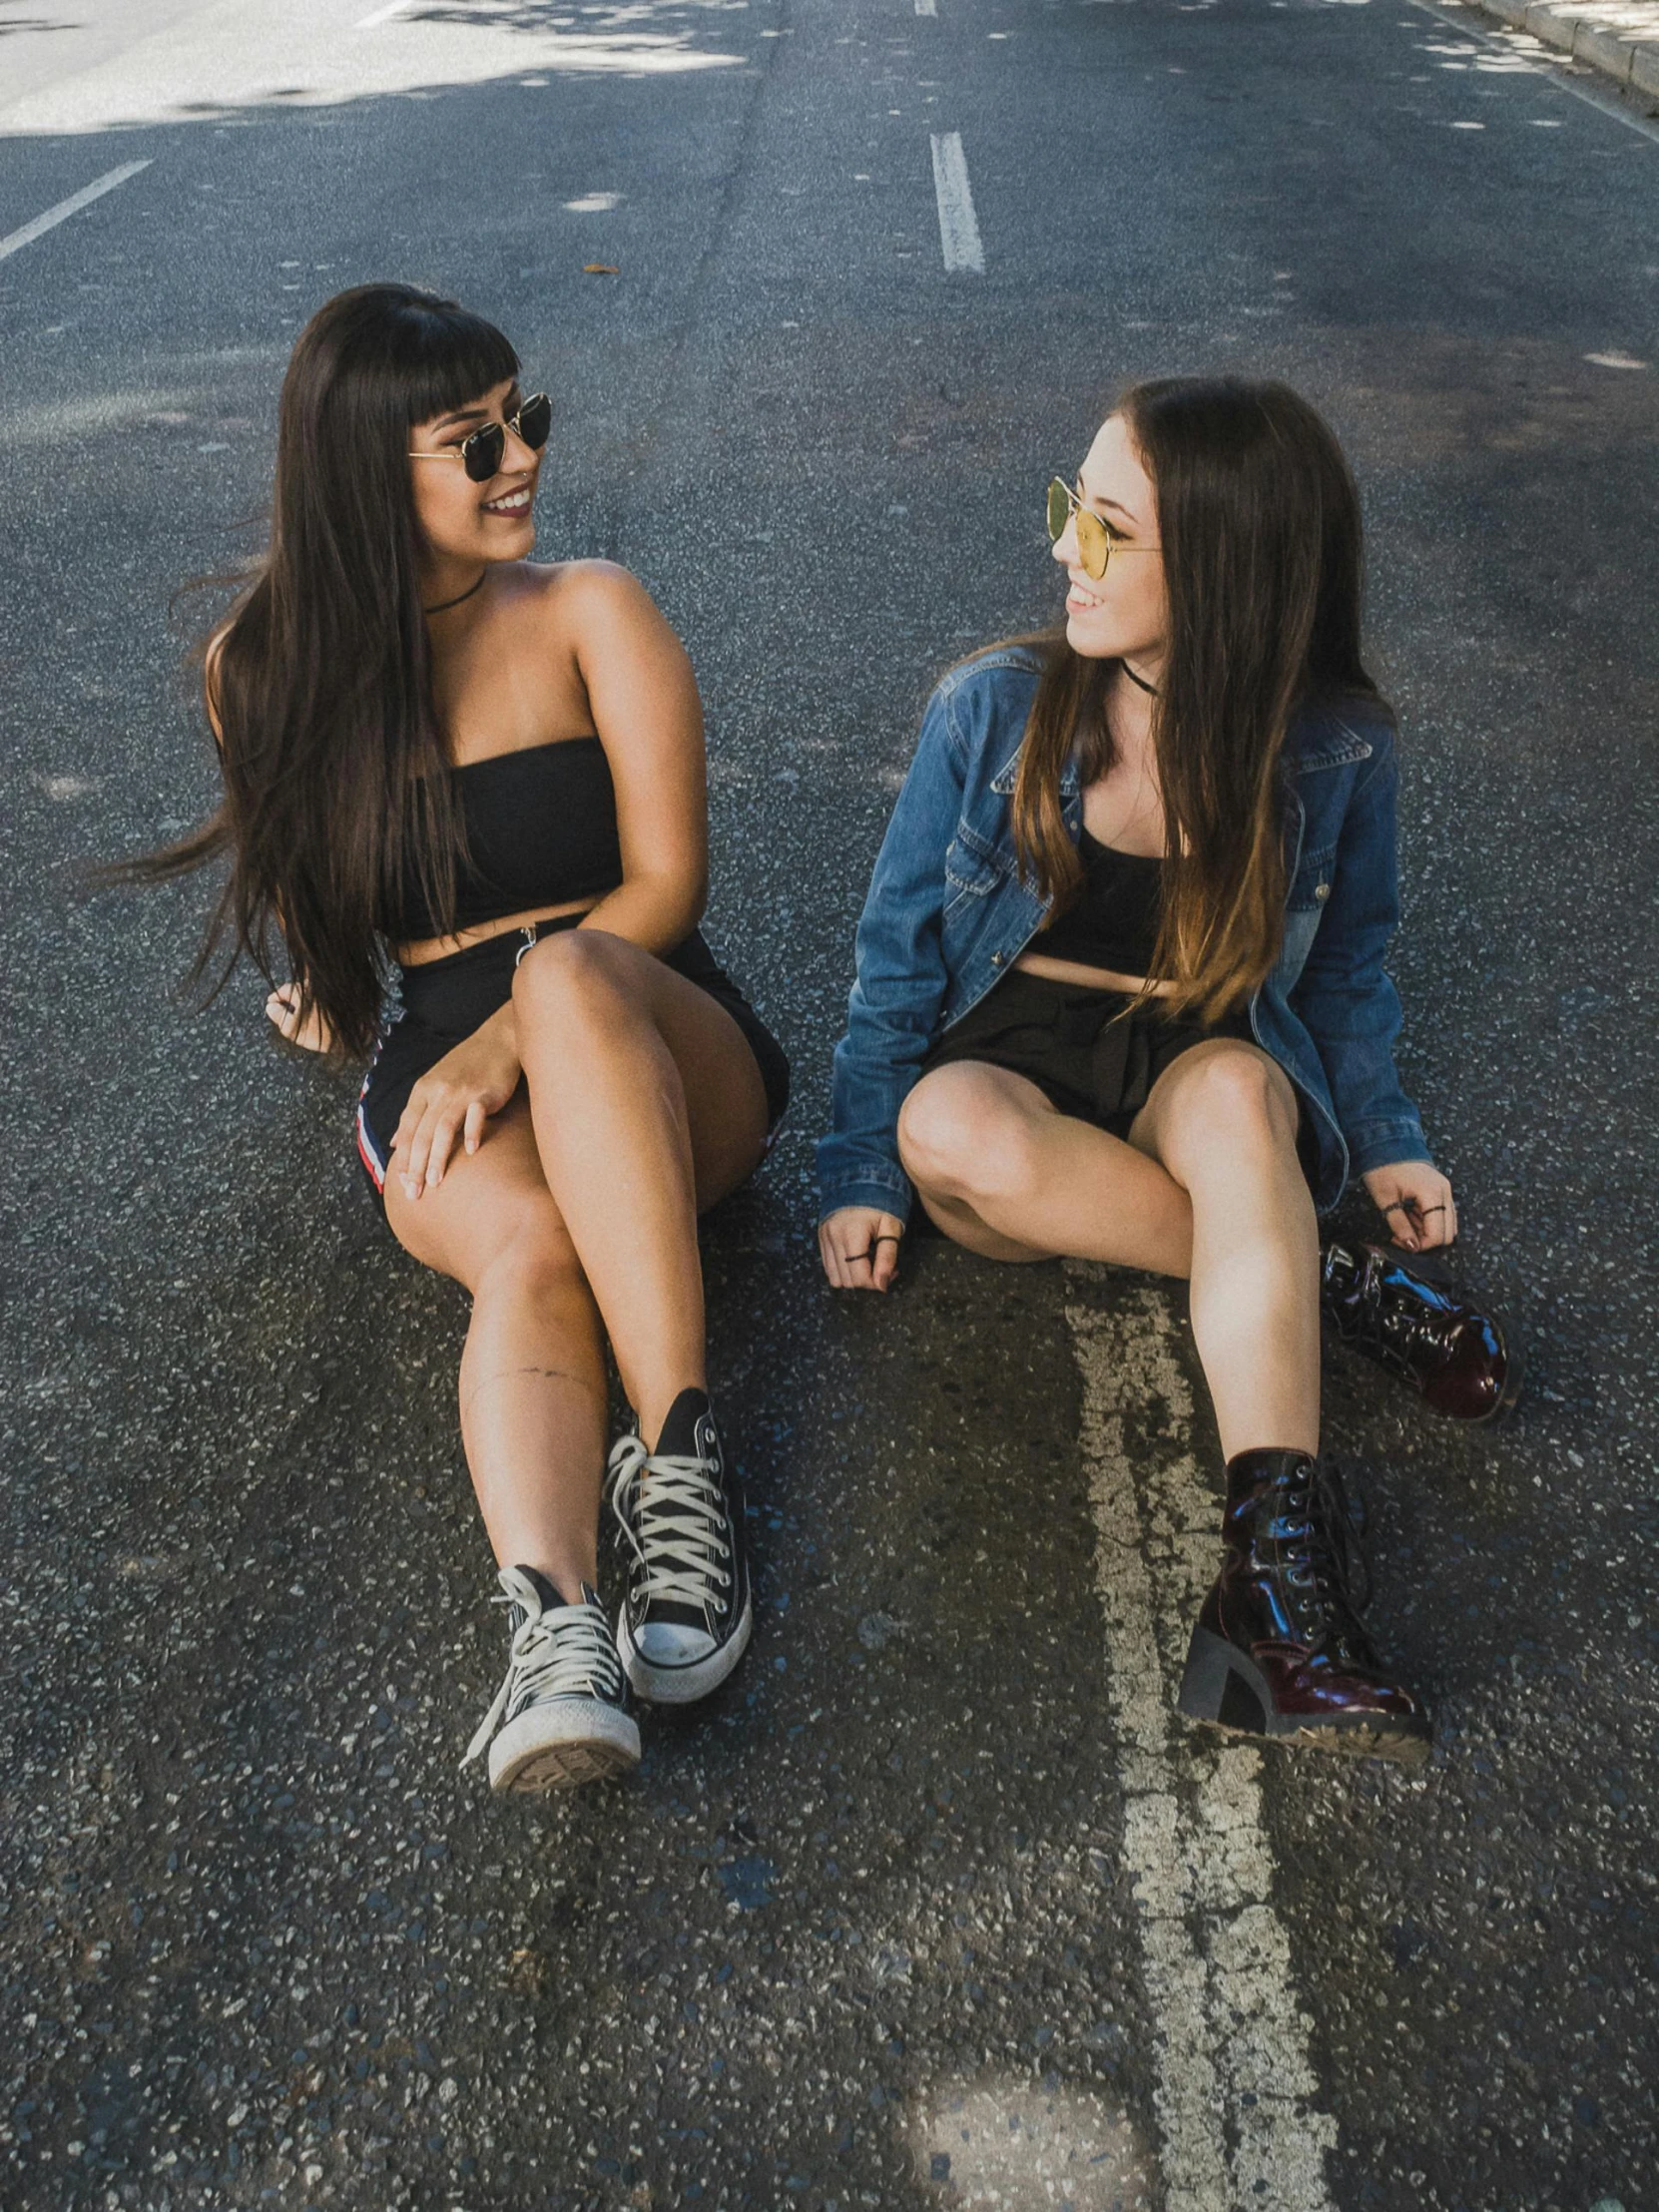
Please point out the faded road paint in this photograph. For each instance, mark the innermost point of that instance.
(1008, 2145)
(109, 182)
(1234, 2084)
(959, 240)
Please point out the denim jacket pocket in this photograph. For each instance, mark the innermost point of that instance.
(972, 867)
(1303, 910)
(1312, 884)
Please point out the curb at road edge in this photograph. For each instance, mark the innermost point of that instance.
(1618, 38)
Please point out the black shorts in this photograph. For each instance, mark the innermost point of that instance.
(446, 1000)
(1064, 1038)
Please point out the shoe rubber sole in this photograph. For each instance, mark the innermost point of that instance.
(682, 1685)
(1224, 1688)
(562, 1743)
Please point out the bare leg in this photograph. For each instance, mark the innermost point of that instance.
(1209, 1186)
(1222, 1121)
(1004, 1173)
(646, 1105)
(533, 1394)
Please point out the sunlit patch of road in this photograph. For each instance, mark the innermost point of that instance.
(312, 53)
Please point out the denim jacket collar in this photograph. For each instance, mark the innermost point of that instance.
(1003, 782)
(1336, 745)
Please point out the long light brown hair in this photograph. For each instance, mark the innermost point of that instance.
(1259, 519)
(336, 794)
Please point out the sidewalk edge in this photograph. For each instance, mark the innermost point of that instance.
(1584, 33)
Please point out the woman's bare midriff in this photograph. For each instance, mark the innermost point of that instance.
(426, 949)
(1089, 979)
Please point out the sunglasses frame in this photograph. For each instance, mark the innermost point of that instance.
(472, 451)
(1096, 540)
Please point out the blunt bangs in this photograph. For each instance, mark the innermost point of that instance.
(447, 355)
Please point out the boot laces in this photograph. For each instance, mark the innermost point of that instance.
(1324, 1562)
(675, 1525)
(1396, 1330)
(569, 1652)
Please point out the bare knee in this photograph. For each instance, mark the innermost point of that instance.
(957, 1139)
(1231, 1095)
(935, 1131)
(573, 970)
(536, 1262)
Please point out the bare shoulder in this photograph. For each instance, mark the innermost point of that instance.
(598, 617)
(584, 596)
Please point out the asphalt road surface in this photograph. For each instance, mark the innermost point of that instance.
(936, 1905)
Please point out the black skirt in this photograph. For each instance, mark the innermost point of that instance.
(1084, 1053)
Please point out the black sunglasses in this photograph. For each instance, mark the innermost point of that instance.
(481, 454)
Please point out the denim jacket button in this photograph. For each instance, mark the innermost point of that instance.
(996, 959)
(1321, 892)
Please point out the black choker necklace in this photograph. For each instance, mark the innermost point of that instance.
(1140, 682)
(443, 606)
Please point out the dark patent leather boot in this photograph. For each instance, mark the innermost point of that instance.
(1278, 1650)
(1403, 1311)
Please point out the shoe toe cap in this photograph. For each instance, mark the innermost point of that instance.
(672, 1644)
(1473, 1381)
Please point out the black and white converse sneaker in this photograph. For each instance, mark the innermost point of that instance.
(686, 1617)
(561, 1717)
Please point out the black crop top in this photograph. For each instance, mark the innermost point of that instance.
(540, 828)
(1113, 921)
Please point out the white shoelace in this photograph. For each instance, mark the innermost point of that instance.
(565, 1653)
(675, 1525)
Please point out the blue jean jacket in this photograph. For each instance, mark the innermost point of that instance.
(948, 916)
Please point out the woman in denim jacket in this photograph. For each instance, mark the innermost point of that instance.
(1120, 995)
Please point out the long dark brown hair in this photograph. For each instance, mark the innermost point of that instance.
(335, 794)
(1259, 519)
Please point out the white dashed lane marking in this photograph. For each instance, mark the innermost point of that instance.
(66, 208)
(958, 226)
(926, 7)
(1235, 2086)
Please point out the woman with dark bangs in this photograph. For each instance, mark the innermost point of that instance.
(484, 778)
(1120, 995)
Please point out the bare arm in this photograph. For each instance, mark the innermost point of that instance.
(643, 702)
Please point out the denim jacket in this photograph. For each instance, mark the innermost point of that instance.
(948, 916)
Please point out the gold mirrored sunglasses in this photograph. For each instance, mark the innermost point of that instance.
(1096, 543)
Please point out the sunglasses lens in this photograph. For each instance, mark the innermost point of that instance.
(534, 420)
(1059, 507)
(483, 450)
(1094, 547)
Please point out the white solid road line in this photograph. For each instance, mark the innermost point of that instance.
(1234, 2082)
(958, 229)
(66, 208)
(383, 15)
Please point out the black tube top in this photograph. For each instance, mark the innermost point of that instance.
(1113, 921)
(540, 828)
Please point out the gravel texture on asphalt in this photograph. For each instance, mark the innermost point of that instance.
(859, 1932)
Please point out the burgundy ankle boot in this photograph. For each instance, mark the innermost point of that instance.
(1406, 1312)
(1278, 1650)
